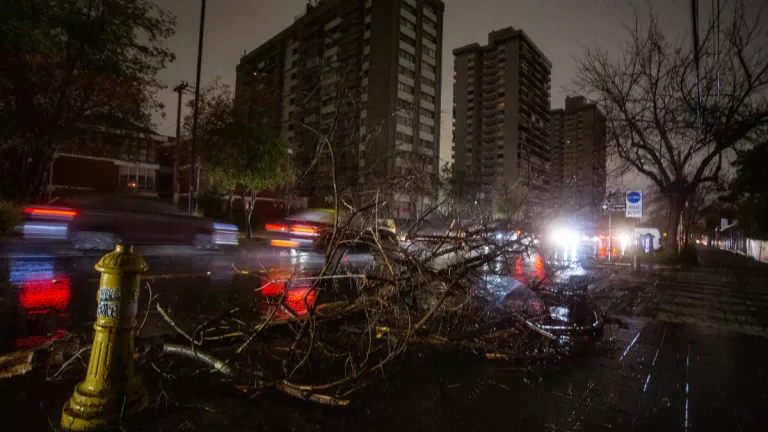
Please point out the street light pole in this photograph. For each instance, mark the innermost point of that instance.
(193, 165)
(178, 89)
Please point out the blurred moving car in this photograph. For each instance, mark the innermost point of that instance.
(312, 228)
(101, 221)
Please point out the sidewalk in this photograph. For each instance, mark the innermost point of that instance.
(727, 260)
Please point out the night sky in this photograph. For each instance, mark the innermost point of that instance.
(560, 28)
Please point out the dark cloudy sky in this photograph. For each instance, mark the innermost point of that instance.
(560, 28)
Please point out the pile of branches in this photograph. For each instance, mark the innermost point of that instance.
(321, 335)
(324, 334)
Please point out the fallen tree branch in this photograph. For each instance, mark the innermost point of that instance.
(200, 356)
(303, 393)
(17, 363)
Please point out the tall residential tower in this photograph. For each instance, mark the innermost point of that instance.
(501, 105)
(578, 152)
(366, 70)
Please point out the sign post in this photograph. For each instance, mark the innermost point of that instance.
(634, 210)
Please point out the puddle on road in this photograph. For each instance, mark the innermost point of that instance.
(36, 301)
(47, 299)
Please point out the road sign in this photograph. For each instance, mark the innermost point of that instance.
(634, 204)
(618, 207)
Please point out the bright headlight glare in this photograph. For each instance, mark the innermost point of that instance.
(565, 237)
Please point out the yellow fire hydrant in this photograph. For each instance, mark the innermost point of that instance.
(110, 390)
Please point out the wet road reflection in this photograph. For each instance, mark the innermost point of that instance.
(290, 296)
(45, 298)
(35, 302)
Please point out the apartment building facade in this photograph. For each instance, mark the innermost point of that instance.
(579, 154)
(501, 106)
(360, 77)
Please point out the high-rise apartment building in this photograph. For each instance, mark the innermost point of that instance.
(578, 154)
(501, 105)
(366, 74)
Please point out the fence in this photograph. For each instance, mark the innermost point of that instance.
(733, 239)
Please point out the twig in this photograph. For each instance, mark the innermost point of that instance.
(202, 327)
(149, 306)
(258, 329)
(301, 392)
(67, 363)
(47, 417)
(172, 324)
(201, 356)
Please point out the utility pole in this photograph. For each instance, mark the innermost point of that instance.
(181, 88)
(193, 164)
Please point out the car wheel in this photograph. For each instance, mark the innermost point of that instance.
(204, 242)
(95, 240)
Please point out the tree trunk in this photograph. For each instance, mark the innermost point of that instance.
(247, 207)
(676, 204)
(231, 204)
(248, 214)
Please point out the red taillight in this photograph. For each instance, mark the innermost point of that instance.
(275, 227)
(304, 229)
(35, 211)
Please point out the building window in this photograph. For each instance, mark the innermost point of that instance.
(410, 9)
(429, 144)
(404, 137)
(407, 24)
(428, 98)
(430, 23)
(428, 81)
(404, 104)
(426, 128)
(140, 150)
(427, 113)
(428, 67)
(430, 38)
(136, 178)
(407, 56)
(405, 121)
(406, 72)
(429, 8)
(429, 52)
(406, 88)
(407, 39)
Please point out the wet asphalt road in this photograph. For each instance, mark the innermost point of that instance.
(687, 352)
(49, 292)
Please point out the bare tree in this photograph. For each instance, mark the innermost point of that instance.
(676, 111)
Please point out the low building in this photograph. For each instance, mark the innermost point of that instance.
(109, 155)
